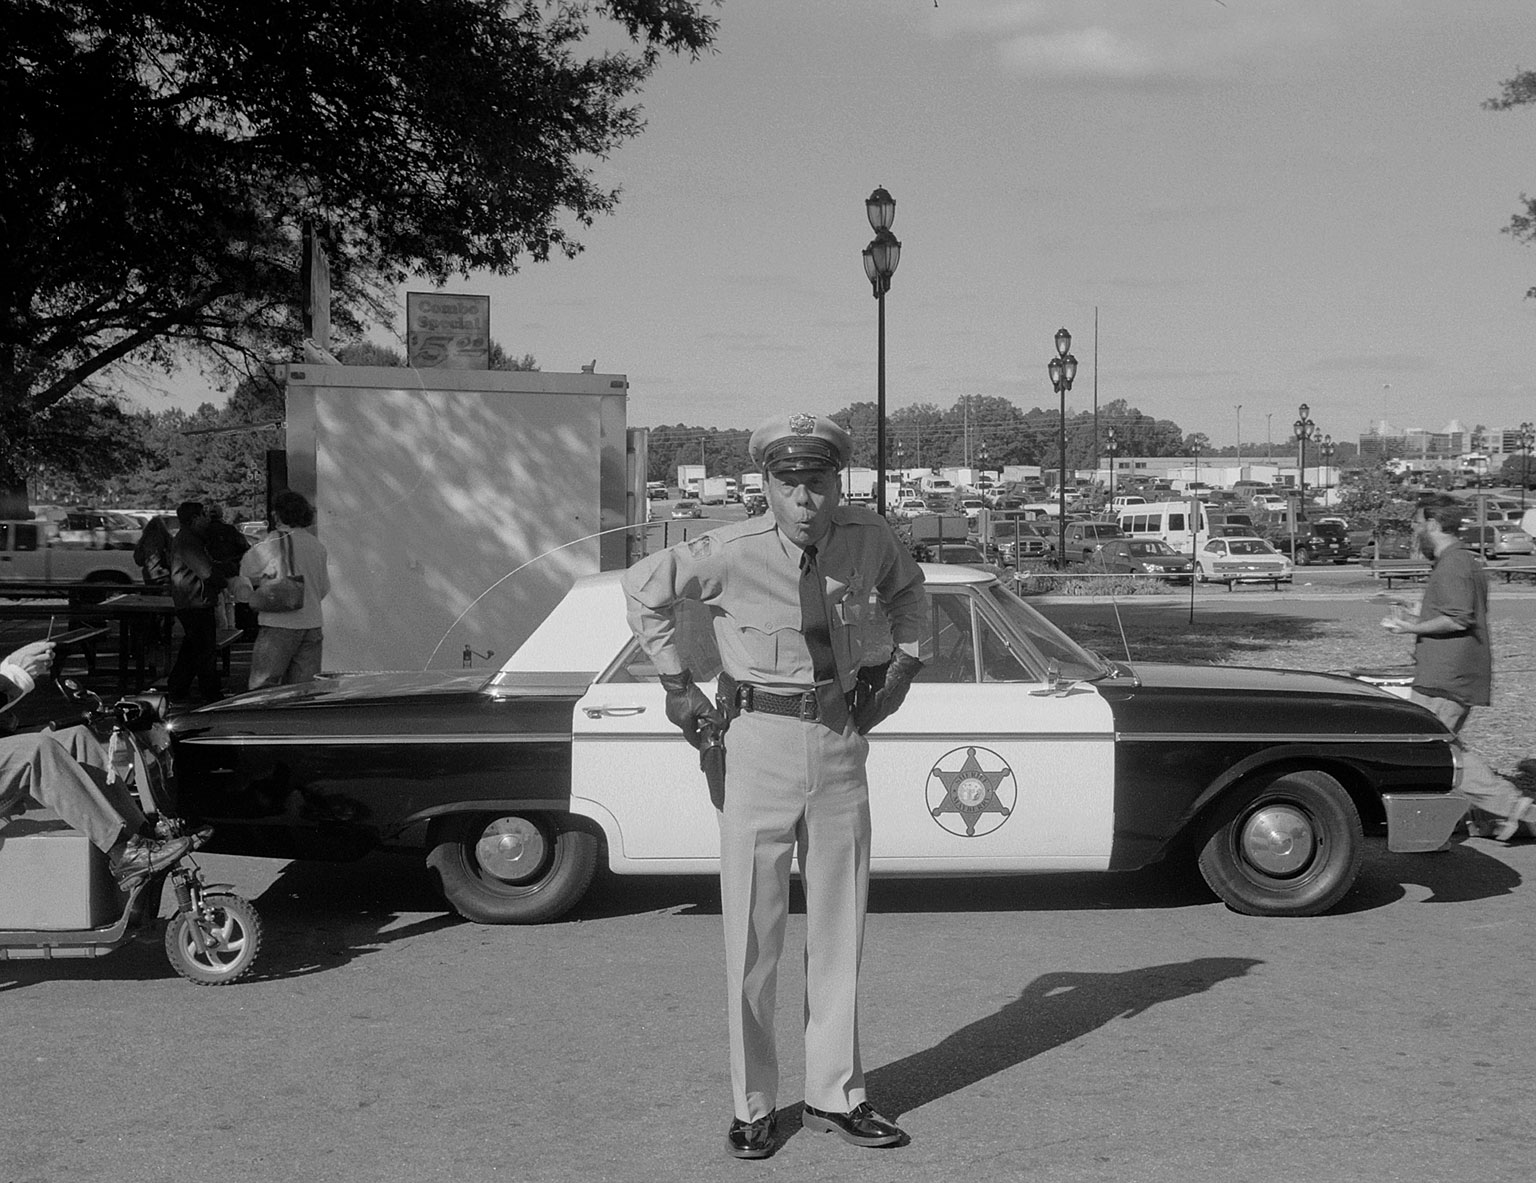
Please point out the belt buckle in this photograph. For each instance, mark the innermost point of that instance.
(809, 707)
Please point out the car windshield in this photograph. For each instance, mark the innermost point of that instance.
(1247, 546)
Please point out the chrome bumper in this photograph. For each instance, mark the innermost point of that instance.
(1421, 822)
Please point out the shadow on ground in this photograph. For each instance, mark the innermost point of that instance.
(1053, 1010)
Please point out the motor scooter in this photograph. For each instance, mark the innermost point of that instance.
(215, 934)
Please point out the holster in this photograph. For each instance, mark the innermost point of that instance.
(712, 748)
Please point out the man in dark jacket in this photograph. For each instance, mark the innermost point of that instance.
(195, 587)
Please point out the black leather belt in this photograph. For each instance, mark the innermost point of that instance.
(744, 696)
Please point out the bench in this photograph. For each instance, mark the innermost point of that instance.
(82, 640)
(1400, 569)
(1510, 570)
(224, 642)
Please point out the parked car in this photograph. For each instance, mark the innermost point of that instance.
(1497, 540)
(911, 507)
(1083, 538)
(1313, 541)
(1017, 751)
(687, 509)
(963, 553)
(102, 529)
(1241, 560)
(1142, 556)
(1030, 540)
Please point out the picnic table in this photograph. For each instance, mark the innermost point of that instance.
(136, 608)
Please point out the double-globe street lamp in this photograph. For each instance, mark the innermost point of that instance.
(1303, 429)
(1062, 368)
(1110, 448)
(1325, 453)
(880, 259)
(1527, 438)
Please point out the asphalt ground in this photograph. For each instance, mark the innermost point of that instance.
(1055, 1028)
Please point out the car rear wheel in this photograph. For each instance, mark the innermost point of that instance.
(1303, 556)
(1290, 846)
(511, 868)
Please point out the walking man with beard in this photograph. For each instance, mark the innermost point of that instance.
(1453, 656)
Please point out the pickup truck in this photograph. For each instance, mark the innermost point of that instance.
(27, 556)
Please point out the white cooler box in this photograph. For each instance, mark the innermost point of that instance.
(52, 878)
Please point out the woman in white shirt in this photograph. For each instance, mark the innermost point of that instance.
(288, 644)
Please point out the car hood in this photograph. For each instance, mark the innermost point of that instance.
(1192, 699)
(338, 688)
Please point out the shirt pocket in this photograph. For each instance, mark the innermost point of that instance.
(771, 636)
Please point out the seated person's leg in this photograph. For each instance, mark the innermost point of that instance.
(42, 768)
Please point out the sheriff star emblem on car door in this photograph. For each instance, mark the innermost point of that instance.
(966, 794)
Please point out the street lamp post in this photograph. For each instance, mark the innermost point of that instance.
(1302, 429)
(1239, 407)
(880, 259)
(1110, 448)
(1325, 451)
(1527, 438)
(1062, 368)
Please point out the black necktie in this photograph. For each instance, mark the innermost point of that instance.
(818, 639)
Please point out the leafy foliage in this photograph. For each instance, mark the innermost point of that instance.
(1517, 92)
(163, 157)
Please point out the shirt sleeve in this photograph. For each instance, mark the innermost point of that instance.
(15, 684)
(1456, 596)
(902, 595)
(654, 586)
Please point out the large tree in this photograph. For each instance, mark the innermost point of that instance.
(161, 159)
(1517, 92)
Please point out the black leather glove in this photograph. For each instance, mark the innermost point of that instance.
(876, 698)
(687, 707)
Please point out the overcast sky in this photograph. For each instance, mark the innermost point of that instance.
(1267, 201)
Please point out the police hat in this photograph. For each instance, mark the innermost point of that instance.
(799, 443)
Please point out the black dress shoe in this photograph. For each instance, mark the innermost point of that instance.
(750, 1139)
(861, 1125)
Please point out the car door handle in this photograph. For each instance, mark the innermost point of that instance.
(615, 711)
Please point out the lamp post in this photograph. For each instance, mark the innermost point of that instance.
(1303, 429)
(901, 462)
(1527, 440)
(1325, 451)
(1239, 408)
(880, 259)
(1110, 448)
(1062, 368)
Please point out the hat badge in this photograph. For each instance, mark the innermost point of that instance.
(802, 424)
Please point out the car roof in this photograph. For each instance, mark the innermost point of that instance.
(587, 628)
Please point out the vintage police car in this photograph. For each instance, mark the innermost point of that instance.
(1017, 751)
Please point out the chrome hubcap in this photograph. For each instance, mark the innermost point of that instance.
(1279, 840)
(510, 848)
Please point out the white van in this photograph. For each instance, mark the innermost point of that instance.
(1125, 502)
(1178, 523)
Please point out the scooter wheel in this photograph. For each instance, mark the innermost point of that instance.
(236, 931)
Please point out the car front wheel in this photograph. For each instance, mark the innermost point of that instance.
(1288, 847)
(1303, 556)
(511, 868)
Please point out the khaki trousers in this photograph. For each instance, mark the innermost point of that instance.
(794, 785)
(67, 771)
(1480, 784)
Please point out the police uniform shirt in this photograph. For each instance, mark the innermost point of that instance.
(748, 575)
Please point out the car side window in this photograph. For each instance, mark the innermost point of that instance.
(944, 646)
(695, 642)
(25, 537)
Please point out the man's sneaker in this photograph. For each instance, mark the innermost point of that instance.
(141, 857)
(1510, 826)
